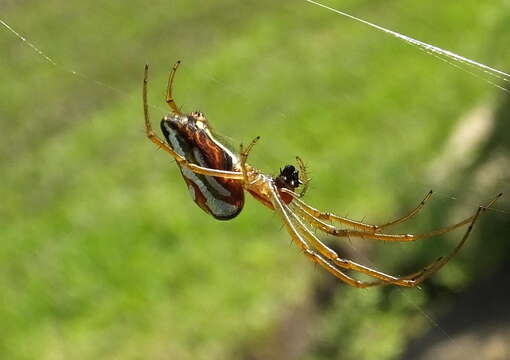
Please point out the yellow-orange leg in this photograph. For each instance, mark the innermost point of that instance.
(332, 230)
(408, 280)
(306, 179)
(169, 97)
(413, 212)
(243, 153)
(306, 249)
(180, 159)
(330, 258)
(352, 223)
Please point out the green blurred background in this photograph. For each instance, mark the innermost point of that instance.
(104, 255)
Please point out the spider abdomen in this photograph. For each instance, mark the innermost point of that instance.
(189, 136)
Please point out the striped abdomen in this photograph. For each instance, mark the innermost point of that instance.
(190, 137)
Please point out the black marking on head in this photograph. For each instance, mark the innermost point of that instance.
(288, 178)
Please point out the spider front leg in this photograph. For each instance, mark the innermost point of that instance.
(329, 258)
(411, 214)
(326, 257)
(338, 232)
(352, 223)
(181, 160)
(418, 277)
(306, 249)
(332, 230)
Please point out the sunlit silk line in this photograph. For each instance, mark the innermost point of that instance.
(472, 73)
(441, 54)
(431, 49)
(490, 208)
(28, 43)
(54, 63)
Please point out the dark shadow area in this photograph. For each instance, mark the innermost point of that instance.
(479, 318)
(481, 310)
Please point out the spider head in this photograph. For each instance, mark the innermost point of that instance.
(288, 178)
(198, 116)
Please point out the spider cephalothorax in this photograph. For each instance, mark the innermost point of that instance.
(217, 177)
(288, 178)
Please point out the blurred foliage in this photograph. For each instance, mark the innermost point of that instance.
(103, 253)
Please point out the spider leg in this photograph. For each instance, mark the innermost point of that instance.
(331, 256)
(355, 224)
(440, 262)
(307, 250)
(169, 97)
(180, 159)
(306, 179)
(244, 156)
(411, 214)
(317, 214)
(410, 280)
(332, 230)
(418, 277)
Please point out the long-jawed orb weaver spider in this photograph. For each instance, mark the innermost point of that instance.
(217, 177)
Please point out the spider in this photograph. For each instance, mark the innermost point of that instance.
(217, 178)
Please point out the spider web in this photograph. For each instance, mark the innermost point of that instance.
(474, 68)
(449, 57)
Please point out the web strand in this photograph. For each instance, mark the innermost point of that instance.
(432, 50)
(55, 64)
(68, 70)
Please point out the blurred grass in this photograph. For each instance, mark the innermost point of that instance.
(105, 256)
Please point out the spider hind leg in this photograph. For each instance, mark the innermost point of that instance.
(169, 96)
(163, 145)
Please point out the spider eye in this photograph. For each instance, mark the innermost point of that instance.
(197, 114)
